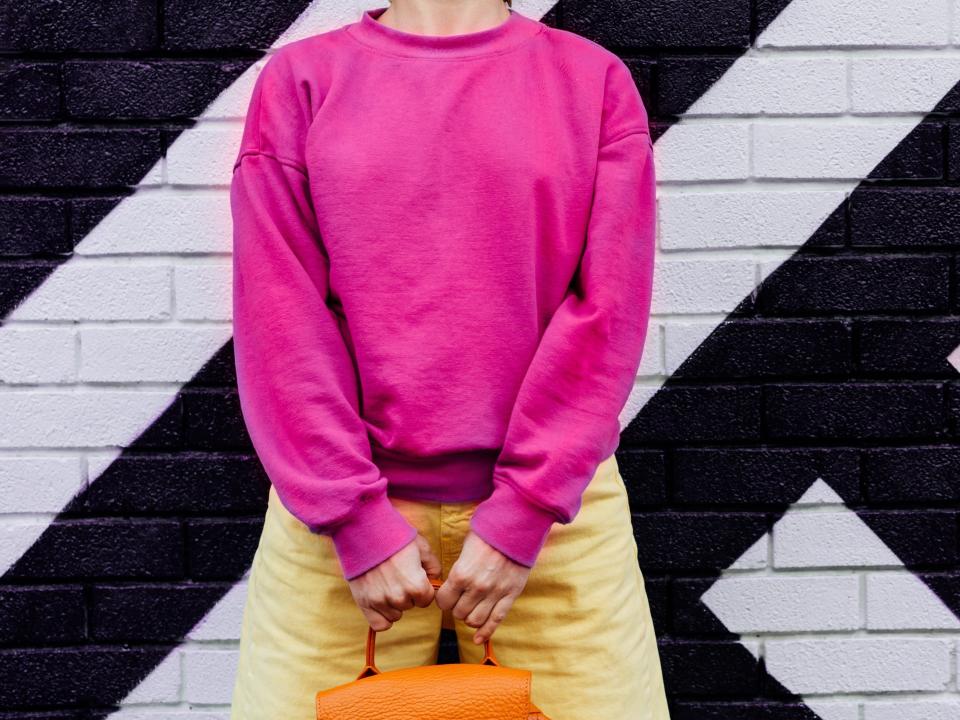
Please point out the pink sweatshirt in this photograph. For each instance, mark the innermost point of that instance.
(443, 255)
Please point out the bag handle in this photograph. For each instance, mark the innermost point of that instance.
(370, 667)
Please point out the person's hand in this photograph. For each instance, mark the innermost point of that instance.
(399, 583)
(481, 586)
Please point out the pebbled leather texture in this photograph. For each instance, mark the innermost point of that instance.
(456, 691)
(453, 691)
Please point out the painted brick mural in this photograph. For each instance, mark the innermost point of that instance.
(792, 447)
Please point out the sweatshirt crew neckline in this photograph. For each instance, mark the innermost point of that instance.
(509, 34)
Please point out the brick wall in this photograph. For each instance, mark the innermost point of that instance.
(790, 448)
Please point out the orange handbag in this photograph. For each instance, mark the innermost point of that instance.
(451, 691)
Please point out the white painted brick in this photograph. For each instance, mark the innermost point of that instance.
(820, 150)
(820, 23)
(232, 103)
(701, 286)
(781, 603)
(639, 396)
(901, 601)
(203, 291)
(17, 534)
(100, 291)
(162, 684)
(651, 362)
(154, 176)
(224, 621)
(39, 484)
(704, 150)
(911, 709)
(77, 419)
(152, 354)
(682, 338)
(208, 675)
(204, 155)
(828, 539)
(955, 35)
(741, 218)
(901, 84)
(819, 493)
(778, 85)
(139, 712)
(859, 664)
(38, 355)
(194, 221)
(830, 709)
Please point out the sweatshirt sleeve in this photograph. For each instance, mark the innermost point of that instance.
(297, 383)
(565, 419)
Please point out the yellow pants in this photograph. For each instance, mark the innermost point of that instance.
(582, 624)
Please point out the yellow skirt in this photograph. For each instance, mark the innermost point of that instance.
(582, 624)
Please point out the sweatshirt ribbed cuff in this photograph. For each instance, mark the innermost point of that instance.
(512, 524)
(375, 531)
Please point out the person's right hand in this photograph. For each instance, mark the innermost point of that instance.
(399, 583)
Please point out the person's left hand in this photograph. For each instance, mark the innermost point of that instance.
(481, 586)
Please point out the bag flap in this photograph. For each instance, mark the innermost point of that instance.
(454, 691)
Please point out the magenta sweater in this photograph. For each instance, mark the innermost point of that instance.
(443, 255)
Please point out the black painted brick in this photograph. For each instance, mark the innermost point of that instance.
(107, 548)
(690, 414)
(143, 90)
(912, 475)
(953, 408)
(118, 612)
(689, 616)
(910, 347)
(770, 348)
(221, 549)
(661, 23)
(857, 285)
(29, 90)
(644, 474)
(919, 156)
(922, 539)
(100, 26)
(759, 710)
(41, 614)
(681, 80)
(227, 24)
(700, 541)
(72, 676)
(855, 411)
(89, 158)
(759, 476)
(33, 226)
(185, 484)
(18, 279)
(213, 420)
(718, 669)
(905, 217)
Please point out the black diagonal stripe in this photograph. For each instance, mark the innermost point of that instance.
(64, 168)
(835, 369)
(181, 511)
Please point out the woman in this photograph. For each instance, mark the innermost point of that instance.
(443, 254)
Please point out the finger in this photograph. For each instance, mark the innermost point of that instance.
(468, 601)
(422, 592)
(399, 597)
(382, 603)
(377, 621)
(497, 616)
(429, 560)
(478, 616)
(449, 592)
